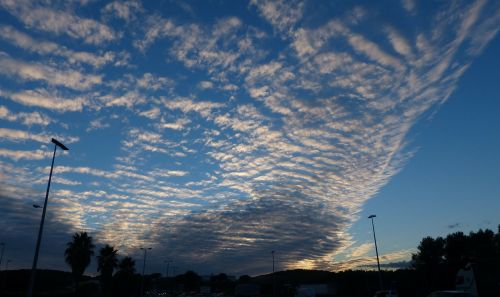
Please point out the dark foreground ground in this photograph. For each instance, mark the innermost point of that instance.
(406, 282)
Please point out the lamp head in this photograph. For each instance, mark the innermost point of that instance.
(372, 216)
(59, 144)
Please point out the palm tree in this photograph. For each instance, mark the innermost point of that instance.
(127, 266)
(77, 255)
(126, 281)
(107, 261)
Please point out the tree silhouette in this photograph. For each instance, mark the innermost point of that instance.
(126, 282)
(429, 260)
(221, 283)
(78, 254)
(438, 260)
(191, 280)
(107, 261)
(456, 251)
(126, 266)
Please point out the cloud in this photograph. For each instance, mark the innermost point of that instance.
(37, 72)
(282, 15)
(128, 99)
(372, 51)
(97, 124)
(151, 82)
(21, 135)
(302, 132)
(44, 99)
(186, 105)
(179, 124)
(409, 5)
(26, 118)
(24, 155)
(220, 46)
(152, 113)
(27, 43)
(399, 43)
(205, 85)
(361, 250)
(59, 22)
(123, 9)
(20, 221)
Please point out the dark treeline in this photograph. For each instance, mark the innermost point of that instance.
(438, 260)
(433, 267)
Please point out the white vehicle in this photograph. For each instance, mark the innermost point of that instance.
(465, 285)
(465, 280)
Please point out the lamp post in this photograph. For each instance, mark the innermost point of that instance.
(167, 268)
(274, 277)
(4, 284)
(272, 253)
(40, 230)
(376, 252)
(1, 254)
(143, 269)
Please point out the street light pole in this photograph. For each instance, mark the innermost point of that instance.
(272, 253)
(40, 230)
(143, 270)
(274, 277)
(376, 251)
(167, 268)
(1, 255)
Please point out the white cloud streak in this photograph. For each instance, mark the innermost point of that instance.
(37, 72)
(59, 22)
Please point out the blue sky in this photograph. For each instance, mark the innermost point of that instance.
(216, 132)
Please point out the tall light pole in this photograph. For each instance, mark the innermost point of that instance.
(274, 278)
(376, 252)
(143, 269)
(167, 268)
(40, 230)
(1, 254)
(272, 253)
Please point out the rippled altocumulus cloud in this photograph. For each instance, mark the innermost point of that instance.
(250, 136)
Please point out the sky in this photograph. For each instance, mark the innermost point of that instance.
(215, 132)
